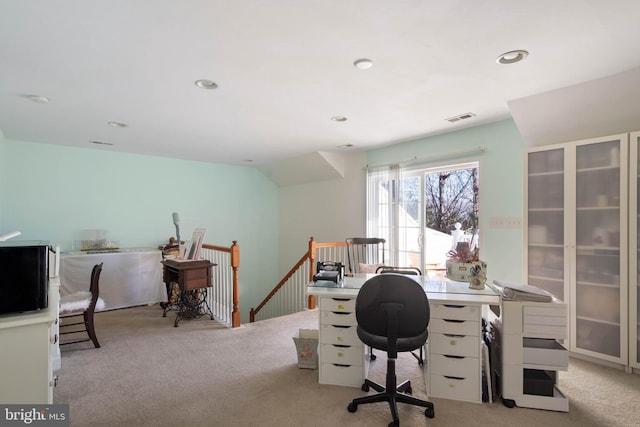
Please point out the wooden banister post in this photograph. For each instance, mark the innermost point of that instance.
(311, 299)
(235, 264)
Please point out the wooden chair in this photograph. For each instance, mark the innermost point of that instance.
(366, 252)
(82, 303)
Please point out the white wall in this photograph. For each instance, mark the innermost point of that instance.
(334, 210)
(329, 211)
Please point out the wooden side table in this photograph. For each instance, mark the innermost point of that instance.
(193, 277)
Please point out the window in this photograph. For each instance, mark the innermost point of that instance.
(417, 209)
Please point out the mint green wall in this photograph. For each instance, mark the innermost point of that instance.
(52, 192)
(501, 186)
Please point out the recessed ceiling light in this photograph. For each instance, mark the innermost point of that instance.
(363, 64)
(117, 124)
(512, 57)
(206, 84)
(37, 98)
(339, 118)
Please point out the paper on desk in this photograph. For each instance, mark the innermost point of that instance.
(514, 292)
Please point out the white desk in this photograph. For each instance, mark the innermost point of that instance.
(455, 329)
(129, 277)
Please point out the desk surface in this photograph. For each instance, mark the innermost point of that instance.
(443, 290)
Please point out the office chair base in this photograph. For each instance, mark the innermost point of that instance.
(391, 394)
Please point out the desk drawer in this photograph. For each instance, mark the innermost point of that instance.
(337, 318)
(544, 352)
(455, 312)
(342, 335)
(456, 327)
(344, 305)
(342, 355)
(457, 388)
(468, 345)
(465, 367)
(349, 375)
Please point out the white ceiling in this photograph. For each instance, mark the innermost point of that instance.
(285, 67)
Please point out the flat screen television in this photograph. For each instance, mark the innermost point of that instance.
(24, 276)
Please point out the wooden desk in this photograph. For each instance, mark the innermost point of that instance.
(193, 278)
(454, 365)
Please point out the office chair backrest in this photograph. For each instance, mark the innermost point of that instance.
(392, 307)
(364, 250)
(412, 271)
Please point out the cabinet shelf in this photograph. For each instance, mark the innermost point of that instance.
(602, 322)
(552, 279)
(608, 168)
(548, 173)
(598, 251)
(598, 285)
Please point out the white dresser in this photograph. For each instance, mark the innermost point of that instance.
(454, 351)
(28, 351)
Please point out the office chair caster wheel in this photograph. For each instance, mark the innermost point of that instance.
(394, 424)
(352, 407)
(509, 403)
(372, 357)
(430, 412)
(365, 387)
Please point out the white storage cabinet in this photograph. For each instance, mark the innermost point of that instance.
(532, 354)
(577, 208)
(29, 347)
(454, 352)
(342, 360)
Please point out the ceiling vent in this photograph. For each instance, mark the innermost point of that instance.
(460, 117)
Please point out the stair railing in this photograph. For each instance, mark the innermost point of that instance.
(289, 295)
(224, 296)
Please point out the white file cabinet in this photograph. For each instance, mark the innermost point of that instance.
(342, 360)
(454, 352)
(532, 355)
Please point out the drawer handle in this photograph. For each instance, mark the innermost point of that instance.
(340, 365)
(341, 313)
(341, 345)
(454, 378)
(454, 335)
(453, 357)
(454, 320)
(454, 306)
(341, 299)
(341, 326)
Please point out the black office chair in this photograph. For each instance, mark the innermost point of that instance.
(367, 252)
(82, 304)
(393, 313)
(411, 271)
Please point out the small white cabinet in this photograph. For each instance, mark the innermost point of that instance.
(529, 338)
(454, 352)
(341, 352)
(29, 346)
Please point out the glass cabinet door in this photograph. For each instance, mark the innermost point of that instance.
(545, 221)
(599, 273)
(634, 251)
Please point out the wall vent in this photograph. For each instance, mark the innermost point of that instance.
(460, 117)
(101, 143)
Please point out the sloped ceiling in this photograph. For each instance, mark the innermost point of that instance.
(599, 107)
